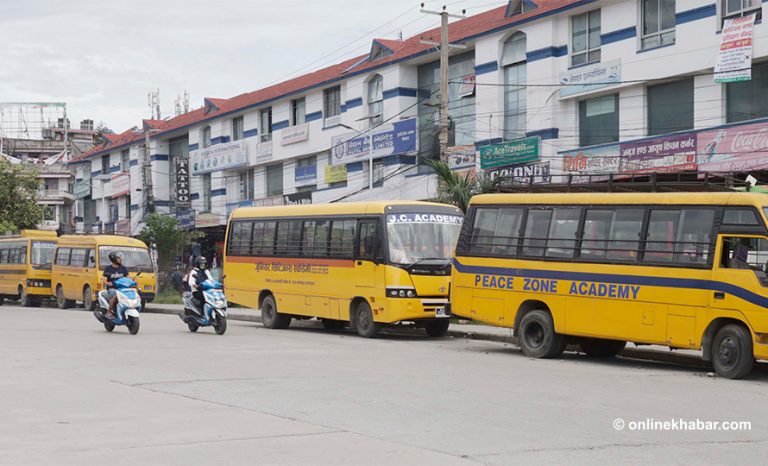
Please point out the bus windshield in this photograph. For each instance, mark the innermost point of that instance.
(42, 253)
(417, 236)
(134, 259)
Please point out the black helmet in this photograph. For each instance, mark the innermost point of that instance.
(201, 262)
(115, 255)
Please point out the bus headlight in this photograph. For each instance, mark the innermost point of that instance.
(401, 293)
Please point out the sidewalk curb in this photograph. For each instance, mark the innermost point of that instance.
(630, 353)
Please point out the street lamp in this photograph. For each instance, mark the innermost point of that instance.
(369, 135)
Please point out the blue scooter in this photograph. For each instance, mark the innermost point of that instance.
(127, 309)
(214, 312)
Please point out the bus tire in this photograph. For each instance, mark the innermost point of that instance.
(599, 348)
(61, 301)
(27, 300)
(537, 336)
(437, 328)
(732, 356)
(333, 324)
(88, 303)
(270, 317)
(364, 323)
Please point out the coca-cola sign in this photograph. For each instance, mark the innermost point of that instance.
(735, 149)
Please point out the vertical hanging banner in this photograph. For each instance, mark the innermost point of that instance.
(183, 194)
(734, 60)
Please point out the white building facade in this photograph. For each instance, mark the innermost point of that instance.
(544, 90)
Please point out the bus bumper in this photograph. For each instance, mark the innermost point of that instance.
(760, 350)
(400, 309)
(148, 297)
(36, 287)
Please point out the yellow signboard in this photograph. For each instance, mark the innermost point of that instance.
(335, 173)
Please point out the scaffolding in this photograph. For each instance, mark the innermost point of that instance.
(32, 121)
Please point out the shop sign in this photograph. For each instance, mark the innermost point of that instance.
(735, 149)
(208, 220)
(589, 164)
(524, 173)
(660, 155)
(219, 157)
(264, 151)
(294, 134)
(183, 193)
(335, 173)
(82, 189)
(298, 198)
(389, 139)
(734, 59)
(186, 218)
(461, 156)
(305, 173)
(510, 153)
(120, 185)
(590, 78)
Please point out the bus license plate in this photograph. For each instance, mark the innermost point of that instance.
(147, 287)
(440, 312)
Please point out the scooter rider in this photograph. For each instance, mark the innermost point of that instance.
(196, 277)
(112, 273)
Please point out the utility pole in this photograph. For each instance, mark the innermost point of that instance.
(445, 48)
(148, 171)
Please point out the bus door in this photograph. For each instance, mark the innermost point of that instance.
(741, 262)
(369, 273)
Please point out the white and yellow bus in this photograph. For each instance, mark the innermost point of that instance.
(365, 264)
(25, 266)
(683, 270)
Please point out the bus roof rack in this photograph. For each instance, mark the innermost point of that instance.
(606, 183)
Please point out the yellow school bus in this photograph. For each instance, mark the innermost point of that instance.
(25, 266)
(80, 261)
(683, 270)
(363, 264)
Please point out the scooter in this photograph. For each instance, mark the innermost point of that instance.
(127, 309)
(214, 313)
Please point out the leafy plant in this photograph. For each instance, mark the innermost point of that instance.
(164, 233)
(19, 208)
(457, 188)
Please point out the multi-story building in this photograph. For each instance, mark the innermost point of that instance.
(542, 88)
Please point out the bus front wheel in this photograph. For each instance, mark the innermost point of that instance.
(270, 317)
(366, 326)
(537, 336)
(732, 352)
(599, 348)
(437, 328)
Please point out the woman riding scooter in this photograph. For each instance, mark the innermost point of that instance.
(197, 276)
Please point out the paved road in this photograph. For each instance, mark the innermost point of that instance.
(70, 393)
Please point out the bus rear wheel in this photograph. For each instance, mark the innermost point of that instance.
(537, 336)
(599, 348)
(732, 356)
(270, 317)
(27, 300)
(364, 323)
(61, 301)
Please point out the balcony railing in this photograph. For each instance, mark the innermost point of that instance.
(55, 195)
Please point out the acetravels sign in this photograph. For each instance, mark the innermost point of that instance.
(510, 153)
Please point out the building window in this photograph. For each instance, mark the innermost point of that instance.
(585, 42)
(298, 111)
(515, 92)
(332, 101)
(105, 165)
(246, 185)
(599, 120)
(266, 124)
(658, 23)
(378, 173)
(49, 214)
(207, 136)
(238, 128)
(114, 213)
(125, 160)
(275, 180)
(376, 101)
(206, 194)
(740, 8)
(747, 100)
(670, 107)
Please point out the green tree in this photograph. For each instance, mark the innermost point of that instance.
(163, 231)
(18, 197)
(458, 188)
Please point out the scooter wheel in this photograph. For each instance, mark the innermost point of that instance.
(192, 327)
(133, 325)
(220, 326)
(109, 326)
